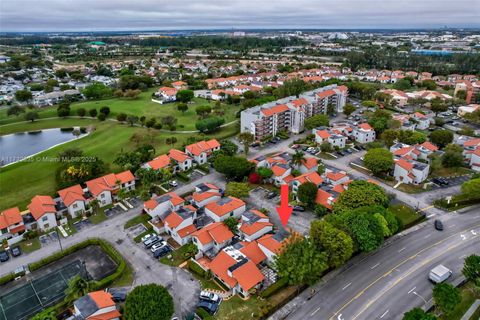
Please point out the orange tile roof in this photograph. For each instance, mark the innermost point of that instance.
(248, 275)
(402, 151)
(219, 266)
(278, 171)
(198, 197)
(188, 230)
(326, 93)
(179, 83)
(102, 299)
(108, 182)
(250, 229)
(253, 252)
(178, 155)
(299, 102)
(41, 205)
(338, 188)
(114, 314)
(125, 176)
(310, 163)
(365, 126)
(71, 194)
(323, 134)
(173, 220)
(312, 177)
(274, 110)
(202, 146)
(472, 142)
(270, 243)
(420, 115)
(322, 198)
(216, 231)
(168, 91)
(404, 164)
(335, 176)
(159, 162)
(9, 217)
(174, 199)
(221, 208)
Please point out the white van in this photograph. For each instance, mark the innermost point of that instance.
(439, 274)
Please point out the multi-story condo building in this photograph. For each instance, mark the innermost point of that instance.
(289, 113)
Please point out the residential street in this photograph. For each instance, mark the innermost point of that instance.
(394, 279)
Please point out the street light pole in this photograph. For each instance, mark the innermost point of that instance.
(59, 241)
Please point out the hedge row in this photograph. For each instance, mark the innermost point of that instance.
(274, 288)
(183, 177)
(204, 168)
(195, 268)
(7, 278)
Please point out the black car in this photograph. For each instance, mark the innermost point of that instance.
(271, 195)
(298, 208)
(15, 251)
(162, 252)
(4, 256)
(349, 151)
(118, 294)
(438, 225)
(440, 181)
(341, 153)
(210, 307)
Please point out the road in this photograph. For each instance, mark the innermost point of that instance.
(394, 279)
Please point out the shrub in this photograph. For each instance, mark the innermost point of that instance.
(274, 288)
(183, 176)
(195, 268)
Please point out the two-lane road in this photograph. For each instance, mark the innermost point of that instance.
(394, 280)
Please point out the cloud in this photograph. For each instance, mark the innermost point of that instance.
(86, 15)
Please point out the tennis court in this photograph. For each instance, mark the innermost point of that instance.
(23, 302)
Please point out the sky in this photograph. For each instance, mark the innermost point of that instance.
(120, 15)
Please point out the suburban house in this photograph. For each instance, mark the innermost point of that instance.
(398, 96)
(200, 151)
(363, 133)
(254, 224)
(330, 137)
(11, 224)
(167, 94)
(179, 85)
(312, 177)
(308, 165)
(281, 173)
(423, 122)
(74, 199)
(98, 305)
(204, 194)
(44, 212)
(410, 171)
(271, 244)
(175, 160)
(475, 159)
(179, 224)
(418, 151)
(104, 188)
(161, 205)
(471, 152)
(212, 238)
(225, 208)
(464, 110)
(405, 122)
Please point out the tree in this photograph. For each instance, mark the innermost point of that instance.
(471, 268)
(150, 122)
(185, 95)
(232, 224)
(379, 120)
(246, 138)
(15, 110)
(300, 262)
(446, 297)
(402, 84)
(233, 167)
(378, 160)
(81, 112)
(203, 111)
(348, 109)
(31, 116)
(228, 147)
(326, 147)
(105, 110)
(298, 158)
(360, 194)
(438, 105)
(237, 190)
(182, 107)
(132, 93)
(389, 136)
(471, 188)
(63, 111)
(77, 287)
(209, 124)
(320, 210)
(93, 113)
(411, 137)
(441, 137)
(452, 157)
(149, 302)
(265, 172)
(131, 119)
(121, 117)
(319, 120)
(418, 314)
(307, 193)
(337, 244)
(101, 117)
(23, 95)
(46, 314)
(97, 90)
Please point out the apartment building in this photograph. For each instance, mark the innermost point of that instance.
(289, 113)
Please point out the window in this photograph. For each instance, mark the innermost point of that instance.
(75, 206)
(45, 218)
(102, 196)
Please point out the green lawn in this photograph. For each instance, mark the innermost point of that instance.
(28, 246)
(178, 256)
(109, 138)
(137, 220)
(126, 279)
(469, 295)
(141, 106)
(238, 309)
(406, 214)
(99, 217)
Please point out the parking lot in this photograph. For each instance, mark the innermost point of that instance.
(452, 181)
(46, 239)
(82, 224)
(136, 230)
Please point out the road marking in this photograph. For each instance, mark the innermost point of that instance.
(384, 314)
(462, 257)
(431, 215)
(401, 249)
(464, 237)
(375, 266)
(473, 232)
(426, 208)
(411, 290)
(391, 270)
(339, 317)
(348, 285)
(313, 313)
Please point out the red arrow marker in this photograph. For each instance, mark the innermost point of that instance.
(284, 211)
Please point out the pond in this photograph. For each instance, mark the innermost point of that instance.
(18, 146)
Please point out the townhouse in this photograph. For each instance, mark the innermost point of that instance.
(363, 133)
(400, 97)
(212, 238)
(159, 206)
(271, 245)
(97, 305)
(422, 121)
(405, 123)
(254, 224)
(418, 151)
(74, 200)
(176, 160)
(312, 177)
(104, 189)
(225, 208)
(289, 114)
(167, 94)
(200, 151)
(43, 211)
(464, 110)
(11, 224)
(471, 152)
(204, 194)
(325, 135)
(410, 171)
(179, 224)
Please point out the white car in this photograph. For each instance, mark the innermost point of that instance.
(210, 296)
(174, 183)
(147, 236)
(157, 246)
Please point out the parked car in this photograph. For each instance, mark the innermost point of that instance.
(209, 296)
(255, 144)
(162, 252)
(151, 241)
(298, 208)
(294, 146)
(118, 294)
(210, 307)
(4, 256)
(440, 181)
(341, 153)
(305, 148)
(271, 195)
(158, 245)
(173, 183)
(439, 274)
(349, 151)
(147, 236)
(438, 225)
(15, 251)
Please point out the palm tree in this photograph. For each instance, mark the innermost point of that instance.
(298, 158)
(77, 287)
